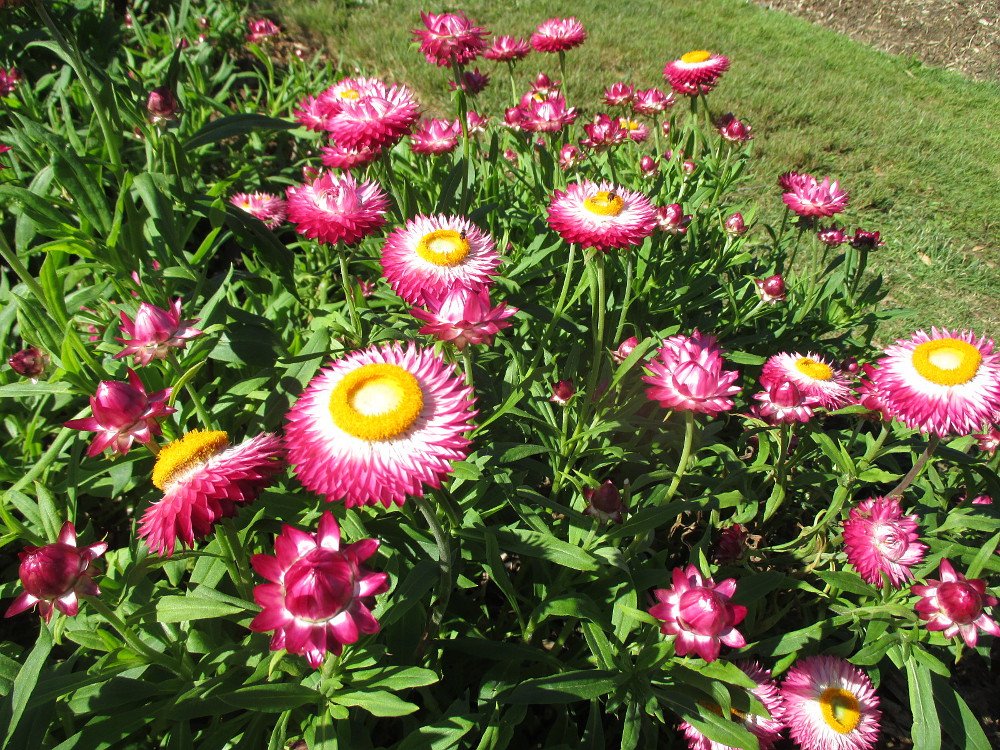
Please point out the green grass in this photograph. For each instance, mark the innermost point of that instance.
(917, 147)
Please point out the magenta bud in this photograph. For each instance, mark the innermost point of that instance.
(604, 503)
(625, 349)
(735, 225)
(161, 104)
(704, 612)
(563, 391)
(771, 289)
(29, 363)
(689, 167)
(960, 601)
(648, 166)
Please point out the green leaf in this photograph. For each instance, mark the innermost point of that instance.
(926, 731)
(233, 125)
(982, 557)
(27, 678)
(376, 702)
(957, 718)
(187, 608)
(845, 581)
(547, 547)
(568, 687)
(395, 678)
(441, 735)
(273, 697)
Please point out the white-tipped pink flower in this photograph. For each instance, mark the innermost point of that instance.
(672, 219)
(988, 441)
(687, 375)
(807, 196)
(435, 137)
(818, 380)
(463, 316)
(651, 102)
(337, 209)
(602, 216)
(154, 332)
(54, 575)
(879, 538)
(450, 38)
(507, 49)
(558, 35)
(956, 606)
(374, 120)
(604, 132)
(619, 94)
(695, 72)
(269, 208)
(122, 414)
(699, 612)
(782, 403)
(319, 595)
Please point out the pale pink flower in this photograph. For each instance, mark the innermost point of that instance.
(267, 207)
(687, 375)
(154, 332)
(813, 375)
(956, 606)
(450, 38)
(806, 196)
(558, 35)
(463, 316)
(507, 49)
(878, 539)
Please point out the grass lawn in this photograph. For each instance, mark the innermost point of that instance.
(917, 147)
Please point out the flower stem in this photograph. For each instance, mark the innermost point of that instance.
(199, 406)
(467, 363)
(689, 425)
(132, 640)
(626, 297)
(235, 557)
(907, 480)
(445, 583)
(352, 307)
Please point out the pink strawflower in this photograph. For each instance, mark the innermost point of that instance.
(162, 105)
(732, 129)
(463, 316)
(379, 424)
(651, 102)
(863, 240)
(367, 288)
(735, 226)
(771, 289)
(340, 157)
(435, 137)
(625, 349)
(636, 131)
(558, 35)
(766, 730)
(604, 503)
(261, 29)
(9, 80)
(570, 157)
(507, 49)
(956, 606)
(808, 197)
(687, 375)
(946, 383)
(700, 613)
(204, 480)
(542, 113)
(689, 167)
(374, 120)
(154, 332)
(782, 403)
(473, 82)
(54, 575)
(602, 216)
(603, 133)
(619, 94)
(29, 363)
(878, 539)
(543, 86)
(988, 441)
(123, 413)
(831, 236)
(870, 394)
(672, 219)
(695, 72)
(562, 392)
(830, 705)
(317, 112)
(267, 207)
(319, 596)
(432, 255)
(814, 376)
(648, 166)
(475, 123)
(337, 209)
(450, 38)
(982, 500)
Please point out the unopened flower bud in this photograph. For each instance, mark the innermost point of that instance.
(604, 503)
(563, 391)
(29, 363)
(689, 167)
(162, 104)
(648, 166)
(735, 225)
(625, 349)
(771, 289)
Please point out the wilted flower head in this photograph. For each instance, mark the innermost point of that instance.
(806, 196)
(337, 209)
(562, 392)
(956, 605)
(162, 105)
(55, 574)
(771, 289)
(154, 332)
(463, 316)
(29, 363)
(558, 35)
(700, 613)
(878, 539)
(604, 503)
(863, 240)
(319, 596)
(9, 79)
(651, 102)
(435, 137)
(672, 219)
(687, 375)
(450, 37)
(619, 94)
(731, 545)
(695, 72)
(261, 29)
(507, 49)
(123, 413)
(832, 236)
(732, 129)
(267, 207)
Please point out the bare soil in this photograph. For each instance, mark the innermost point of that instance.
(958, 35)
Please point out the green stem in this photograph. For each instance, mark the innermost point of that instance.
(132, 640)
(445, 582)
(467, 363)
(689, 425)
(912, 474)
(352, 307)
(626, 298)
(199, 406)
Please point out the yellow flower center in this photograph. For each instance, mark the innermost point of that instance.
(350, 94)
(443, 247)
(947, 361)
(605, 203)
(696, 56)
(813, 369)
(628, 124)
(196, 447)
(376, 402)
(841, 710)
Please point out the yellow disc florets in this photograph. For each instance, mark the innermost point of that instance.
(947, 361)
(813, 369)
(443, 247)
(841, 710)
(696, 56)
(376, 402)
(196, 447)
(605, 203)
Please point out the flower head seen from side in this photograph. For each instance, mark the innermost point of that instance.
(782, 403)
(9, 80)
(830, 705)
(808, 197)
(945, 383)
(956, 605)
(601, 215)
(154, 332)
(619, 94)
(541, 113)
(319, 593)
(377, 118)
(204, 480)
(988, 441)
(450, 38)
(687, 375)
(507, 49)
(605, 132)
(558, 35)
(337, 209)
(267, 207)
(54, 575)
(122, 414)
(816, 378)
(435, 137)
(672, 219)
(765, 729)
(570, 156)
(464, 316)
(433, 254)
(29, 362)
(604, 503)
(261, 29)
(651, 102)
(771, 290)
(339, 157)
(695, 72)
(473, 82)
(733, 130)
(379, 424)
(879, 538)
(562, 392)
(699, 612)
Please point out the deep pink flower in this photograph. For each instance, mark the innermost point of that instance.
(463, 316)
(863, 240)
(29, 363)
(731, 546)
(543, 85)
(54, 575)
(562, 392)
(267, 207)
(651, 102)
(450, 38)
(636, 131)
(337, 209)
(687, 375)
(699, 612)
(475, 123)
(830, 705)
(771, 289)
(435, 137)
(4, 150)
(542, 113)
(473, 82)
(689, 167)
(732, 129)
(672, 219)
(558, 35)
(340, 157)
(570, 157)
(956, 606)
(817, 379)
(808, 197)
(625, 349)
(603, 133)
(619, 94)
(507, 49)
(782, 403)
(123, 413)
(317, 112)
(154, 332)
(9, 79)
(162, 104)
(319, 596)
(205, 480)
(988, 441)
(604, 503)
(832, 236)
(695, 72)
(878, 539)
(375, 120)
(602, 216)
(735, 225)
(261, 29)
